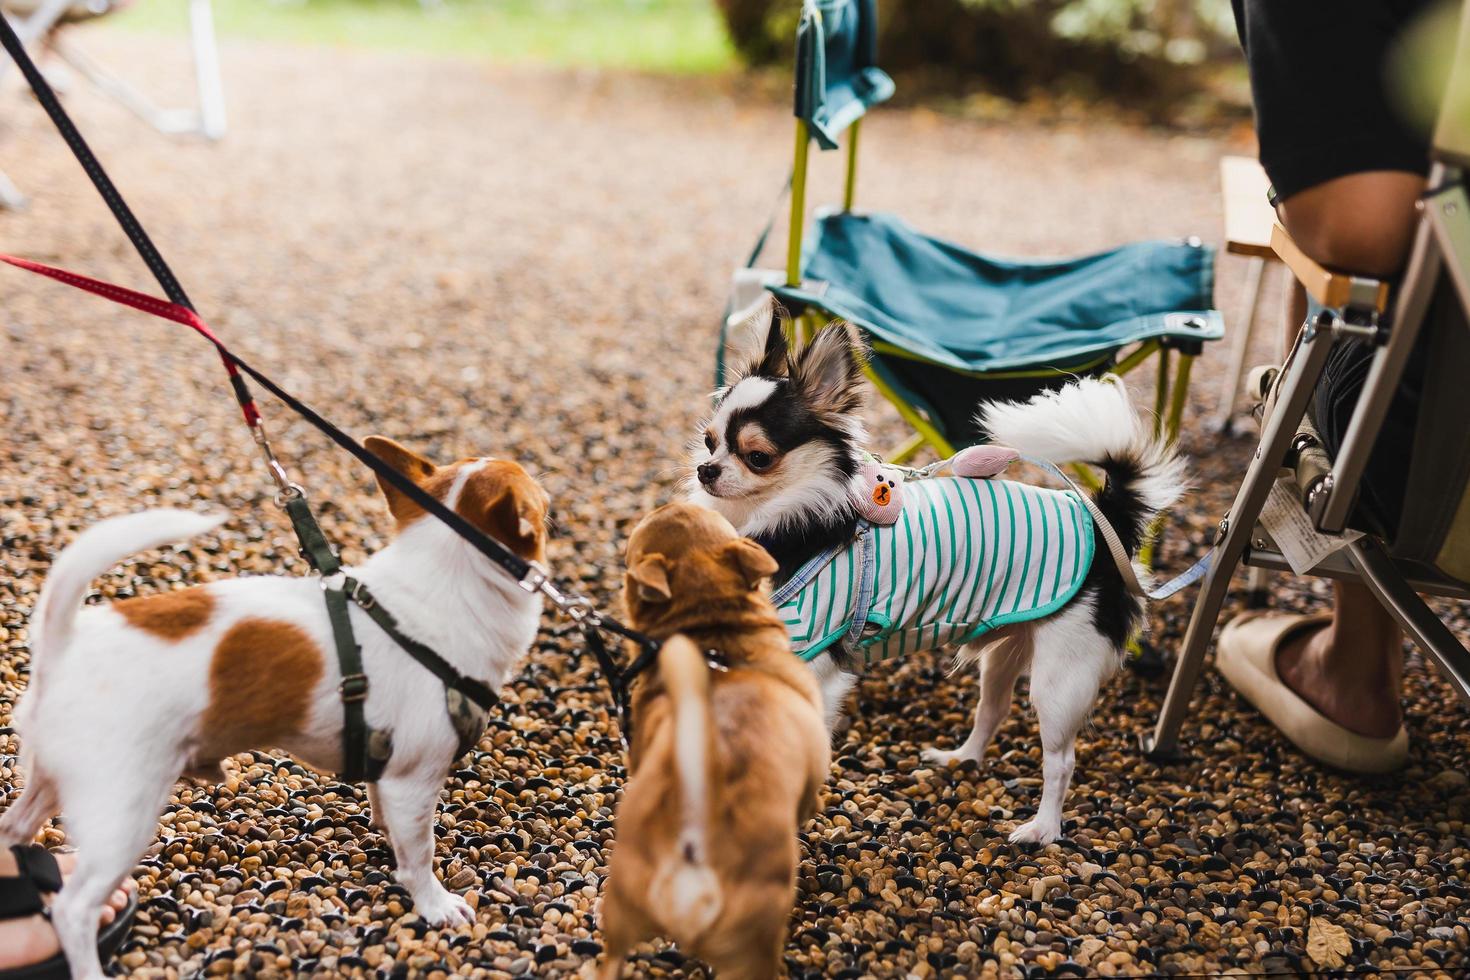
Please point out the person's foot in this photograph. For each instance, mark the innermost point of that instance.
(24, 942)
(1359, 701)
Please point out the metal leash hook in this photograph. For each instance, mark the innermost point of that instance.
(585, 616)
(285, 489)
(574, 605)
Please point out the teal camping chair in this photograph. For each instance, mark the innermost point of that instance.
(949, 327)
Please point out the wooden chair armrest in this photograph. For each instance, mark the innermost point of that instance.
(1248, 215)
(1331, 289)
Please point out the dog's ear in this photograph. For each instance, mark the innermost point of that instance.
(405, 461)
(752, 561)
(829, 370)
(648, 578)
(762, 343)
(507, 523)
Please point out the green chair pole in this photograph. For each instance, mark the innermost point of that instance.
(1171, 422)
(921, 425)
(908, 450)
(1161, 390)
(1136, 358)
(850, 190)
(800, 329)
(1178, 398)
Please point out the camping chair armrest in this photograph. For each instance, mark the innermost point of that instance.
(1334, 290)
(1249, 216)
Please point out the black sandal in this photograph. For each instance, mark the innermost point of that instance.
(38, 874)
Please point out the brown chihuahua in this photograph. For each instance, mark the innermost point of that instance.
(735, 754)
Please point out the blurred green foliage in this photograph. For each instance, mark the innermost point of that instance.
(1150, 53)
(679, 36)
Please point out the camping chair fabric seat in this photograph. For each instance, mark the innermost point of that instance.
(969, 312)
(952, 328)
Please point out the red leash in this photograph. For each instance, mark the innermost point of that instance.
(161, 308)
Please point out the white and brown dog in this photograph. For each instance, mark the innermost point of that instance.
(125, 697)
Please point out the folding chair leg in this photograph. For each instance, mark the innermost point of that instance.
(1137, 357)
(1230, 382)
(1301, 379)
(1417, 619)
(908, 450)
(171, 122)
(11, 199)
(206, 70)
(1257, 588)
(922, 426)
(1179, 397)
(37, 25)
(1161, 391)
(1173, 420)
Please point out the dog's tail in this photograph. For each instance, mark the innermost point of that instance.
(684, 885)
(1092, 421)
(94, 551)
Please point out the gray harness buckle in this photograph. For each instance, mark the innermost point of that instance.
(354, 687)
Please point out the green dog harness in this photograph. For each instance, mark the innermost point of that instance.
(964, 557)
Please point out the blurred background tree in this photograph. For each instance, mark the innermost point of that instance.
(1151, 54)
(1156, 60)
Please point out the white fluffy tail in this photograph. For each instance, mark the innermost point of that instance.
(94, 551)
(684, 887)
(1091, 420)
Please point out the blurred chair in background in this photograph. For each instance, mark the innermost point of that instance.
(44, 23)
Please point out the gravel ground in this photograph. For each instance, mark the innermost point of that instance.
(474, 260)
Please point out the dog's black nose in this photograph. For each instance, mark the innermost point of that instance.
(708, 472)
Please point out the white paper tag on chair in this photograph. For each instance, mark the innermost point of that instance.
(1302, 545)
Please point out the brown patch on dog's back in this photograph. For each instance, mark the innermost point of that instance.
(261, 680)
(172, 615)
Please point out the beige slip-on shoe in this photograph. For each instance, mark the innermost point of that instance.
(1246, 655)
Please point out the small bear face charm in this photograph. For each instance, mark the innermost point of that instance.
(881, 499)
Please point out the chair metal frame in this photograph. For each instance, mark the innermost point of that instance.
(1441, 247)
(46, 25)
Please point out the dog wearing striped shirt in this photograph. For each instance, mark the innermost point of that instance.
(1019, 577)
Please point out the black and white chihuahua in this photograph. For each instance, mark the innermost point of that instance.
(780, 460)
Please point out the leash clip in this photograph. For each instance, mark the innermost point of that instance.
(577, 607)
(536, 579)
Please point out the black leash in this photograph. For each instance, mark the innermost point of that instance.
(529, 575)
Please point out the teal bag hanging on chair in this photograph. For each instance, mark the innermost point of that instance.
(837, 76)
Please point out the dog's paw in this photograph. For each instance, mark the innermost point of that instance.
(943, 757)
(444, 908)
(1035, 832)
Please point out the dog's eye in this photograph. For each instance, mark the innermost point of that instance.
(759, 461)
(709, 442)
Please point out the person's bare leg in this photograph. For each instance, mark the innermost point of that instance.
(1351, 669)
(1361, 223)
